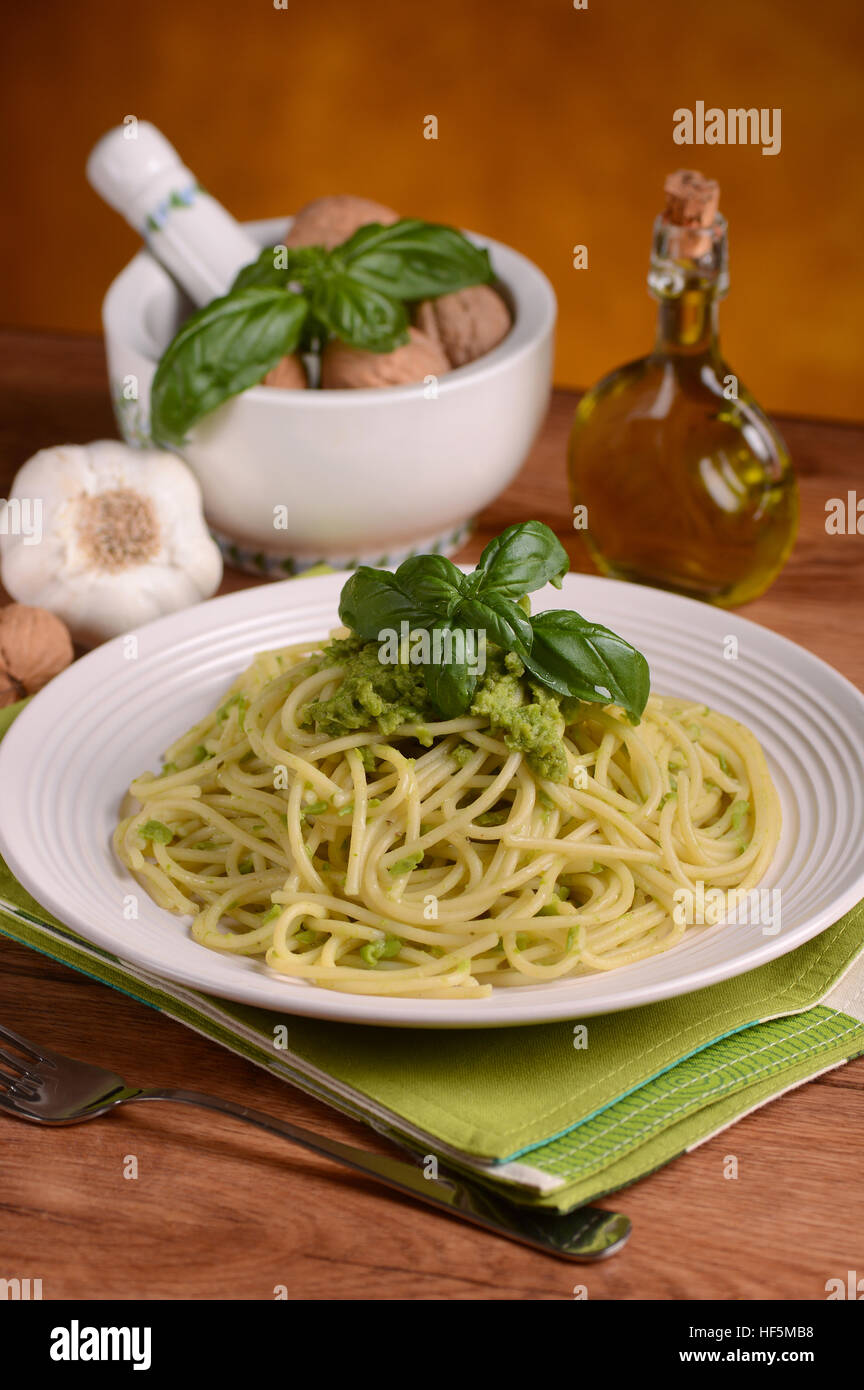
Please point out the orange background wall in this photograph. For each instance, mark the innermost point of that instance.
(555, 128)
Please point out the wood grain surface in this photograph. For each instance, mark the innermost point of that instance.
(220, 1211)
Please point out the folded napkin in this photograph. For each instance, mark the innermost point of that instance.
(533, 1108)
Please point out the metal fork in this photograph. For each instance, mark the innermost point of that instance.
(47, 1088)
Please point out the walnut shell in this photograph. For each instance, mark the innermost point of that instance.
(330, 221)
(344, 366)
(289, 373)
(466, 323)
(35, 646)
(10, 690)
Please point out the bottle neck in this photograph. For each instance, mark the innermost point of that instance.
(688, 277)
(688, 323)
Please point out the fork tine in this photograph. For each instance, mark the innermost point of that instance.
(11, 1086)
(19, 1087)
(13, 1063)
(22, 1044)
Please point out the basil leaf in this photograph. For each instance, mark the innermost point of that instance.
(358, 314)
(450, 685)
(221, 350)
(373, 600)
(587, 661)
(413, 259)
(277, 266)
(523, 558)
(433, 580)
(502, 621)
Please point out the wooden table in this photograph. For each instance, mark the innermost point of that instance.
(223, 1212)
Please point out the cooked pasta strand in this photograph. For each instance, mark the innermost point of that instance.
(364, 865)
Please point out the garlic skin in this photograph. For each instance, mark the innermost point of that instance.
(123, 538)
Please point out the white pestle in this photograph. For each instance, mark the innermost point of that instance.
(141, 176)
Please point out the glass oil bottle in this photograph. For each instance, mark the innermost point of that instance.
(677, 477)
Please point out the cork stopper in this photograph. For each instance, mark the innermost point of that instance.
(692, 202)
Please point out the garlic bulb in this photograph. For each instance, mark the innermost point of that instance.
(116, 537)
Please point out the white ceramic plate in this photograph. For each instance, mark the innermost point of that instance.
(68, 758)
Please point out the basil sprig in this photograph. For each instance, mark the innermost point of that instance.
(223, 349)
(558, 648)
(357, 314)
(523, 558)
(412, 259)
(299, 297)
(450, 685)
(586, 661)
(280, 266)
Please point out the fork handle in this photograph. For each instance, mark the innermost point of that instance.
(583, 1235)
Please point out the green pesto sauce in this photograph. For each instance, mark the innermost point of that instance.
(373, 696)
(462, 753)
(527, 715)
(370, 695)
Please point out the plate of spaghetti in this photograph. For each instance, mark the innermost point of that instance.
(443, 797)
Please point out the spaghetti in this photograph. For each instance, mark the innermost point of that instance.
(434, 862)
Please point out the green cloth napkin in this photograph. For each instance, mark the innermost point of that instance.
(561, 1113)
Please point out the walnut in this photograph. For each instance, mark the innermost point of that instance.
(290, 374)
(466, 323)
(330, 221)
(10, 690)
(343, 366)
(35, 646)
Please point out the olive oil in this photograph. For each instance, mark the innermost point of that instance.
(684, 482)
